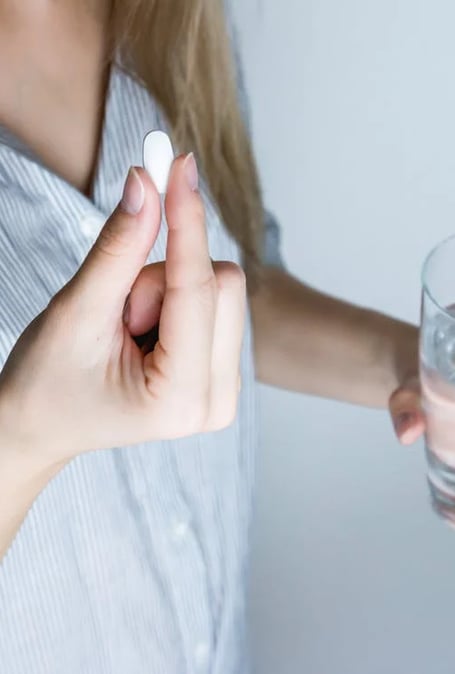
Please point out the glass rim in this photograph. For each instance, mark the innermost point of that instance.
(423, 275)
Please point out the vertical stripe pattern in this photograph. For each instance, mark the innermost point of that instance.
(133, 559)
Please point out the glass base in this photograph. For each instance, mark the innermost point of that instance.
(441, 482)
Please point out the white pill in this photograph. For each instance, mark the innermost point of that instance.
(158, 156)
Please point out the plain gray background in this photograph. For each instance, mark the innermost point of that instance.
(353, 117)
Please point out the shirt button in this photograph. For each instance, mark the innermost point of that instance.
(91, 224)
(201, 655)
(180, 530)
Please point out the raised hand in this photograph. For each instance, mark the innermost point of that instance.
(76, 379)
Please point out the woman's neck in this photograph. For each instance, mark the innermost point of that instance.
(53, 78)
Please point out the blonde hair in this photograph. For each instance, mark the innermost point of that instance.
(181, 51)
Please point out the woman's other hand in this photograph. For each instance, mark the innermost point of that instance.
(76, 379)
(406, 411)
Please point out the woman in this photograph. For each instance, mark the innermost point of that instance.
(133, 559)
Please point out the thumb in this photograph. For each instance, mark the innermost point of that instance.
(122, 247)
(406, 411)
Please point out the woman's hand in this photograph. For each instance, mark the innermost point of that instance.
(406, 411)
(76, 379)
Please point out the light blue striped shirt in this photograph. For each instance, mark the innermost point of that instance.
(132, 560)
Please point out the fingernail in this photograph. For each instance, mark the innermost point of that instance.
(126, 311)
(191, 172)
(133, 193)
(403, 422)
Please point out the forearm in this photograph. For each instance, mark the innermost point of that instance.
(306, 341)
(22, 478)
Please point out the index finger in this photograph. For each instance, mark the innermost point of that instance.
(188, 262)
(188, 312)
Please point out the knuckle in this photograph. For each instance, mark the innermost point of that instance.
(198, 210)
(68, 316)
(112, 240)
(66, 307)
(208, 290)
(56, 324)
(230, 275)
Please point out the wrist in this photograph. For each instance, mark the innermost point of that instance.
(21, 465)
(20, 451)
(393, 354)
(403, 354)
(24, 474)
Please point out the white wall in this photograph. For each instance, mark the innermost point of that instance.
(354, 116)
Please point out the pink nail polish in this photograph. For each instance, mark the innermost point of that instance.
(133, 193)
(191, 172)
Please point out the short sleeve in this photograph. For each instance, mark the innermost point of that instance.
(272, 241)
(271, 253)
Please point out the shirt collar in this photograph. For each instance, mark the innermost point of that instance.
(129, 114)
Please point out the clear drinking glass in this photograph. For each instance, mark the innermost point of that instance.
(437, 371)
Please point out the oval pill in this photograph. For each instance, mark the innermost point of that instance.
(158, 156)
